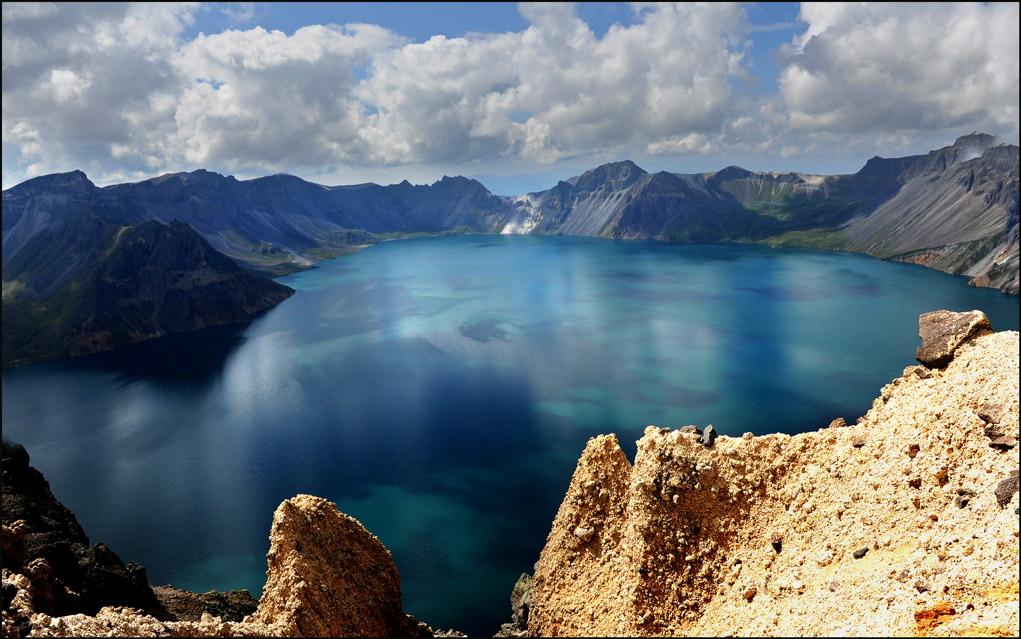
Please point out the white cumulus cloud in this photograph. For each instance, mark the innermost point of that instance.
(885, 67)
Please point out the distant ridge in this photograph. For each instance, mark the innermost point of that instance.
(954, 209)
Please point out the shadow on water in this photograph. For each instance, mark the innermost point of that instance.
(194, 357)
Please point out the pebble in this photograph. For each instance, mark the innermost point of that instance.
(691, 428)
(709, 436)
(991, 412)
(1006, 489)
(858, 554)
(1003, 443)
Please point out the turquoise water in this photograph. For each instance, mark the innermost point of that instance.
(440, 390)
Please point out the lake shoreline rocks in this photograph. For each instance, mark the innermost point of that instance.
(902, 523)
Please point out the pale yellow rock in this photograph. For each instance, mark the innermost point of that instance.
(888, 484)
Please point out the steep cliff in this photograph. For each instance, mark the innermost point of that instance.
(904, 523)
(92, 284)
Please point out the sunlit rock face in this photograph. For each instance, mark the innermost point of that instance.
(904, 523)
(329, 577)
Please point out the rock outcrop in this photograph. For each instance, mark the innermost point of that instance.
(904, 523)
(43, 541)
(184, 605)
(943, 331)
(329, 577)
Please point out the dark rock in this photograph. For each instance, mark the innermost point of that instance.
(915, 482)
(942, 332)
(1003, 443)
(9, 591)
(691, 428)
(709, 436)
(72, 576)
(858, 554)
(991, 412)
(185, 605)
(913, 450)
(993, 431)
(126, 286)
(838, 423)
(961, 501)
(1005, 489)
(776, 540)
(922, 586)
(521, 601)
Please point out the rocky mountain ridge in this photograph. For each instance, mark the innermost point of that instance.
(92, 284)
(954, 209)
(904, 523)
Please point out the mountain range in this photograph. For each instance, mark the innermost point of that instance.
(88, 268)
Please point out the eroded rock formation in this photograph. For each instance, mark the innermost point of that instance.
(905, 523)
(329, 577)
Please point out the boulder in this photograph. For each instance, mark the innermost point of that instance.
(329, 577)
(942, 332)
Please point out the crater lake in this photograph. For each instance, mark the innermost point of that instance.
(440, 390)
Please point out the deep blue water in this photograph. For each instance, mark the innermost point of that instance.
(440, 390)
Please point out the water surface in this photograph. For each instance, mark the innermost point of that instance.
(440, 390)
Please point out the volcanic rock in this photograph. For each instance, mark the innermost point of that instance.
(660, 566)
(943, 331)
(329, 577)
(43, 540)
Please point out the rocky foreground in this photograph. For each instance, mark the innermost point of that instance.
(905, 523)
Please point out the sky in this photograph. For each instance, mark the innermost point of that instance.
(517, 96)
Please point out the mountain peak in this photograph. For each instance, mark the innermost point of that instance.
(732, 172)
(74, 181)
(976, 139)
(614, 176)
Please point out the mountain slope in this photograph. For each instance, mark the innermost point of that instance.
(276, 224)
(91, 285)
(954, 209)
